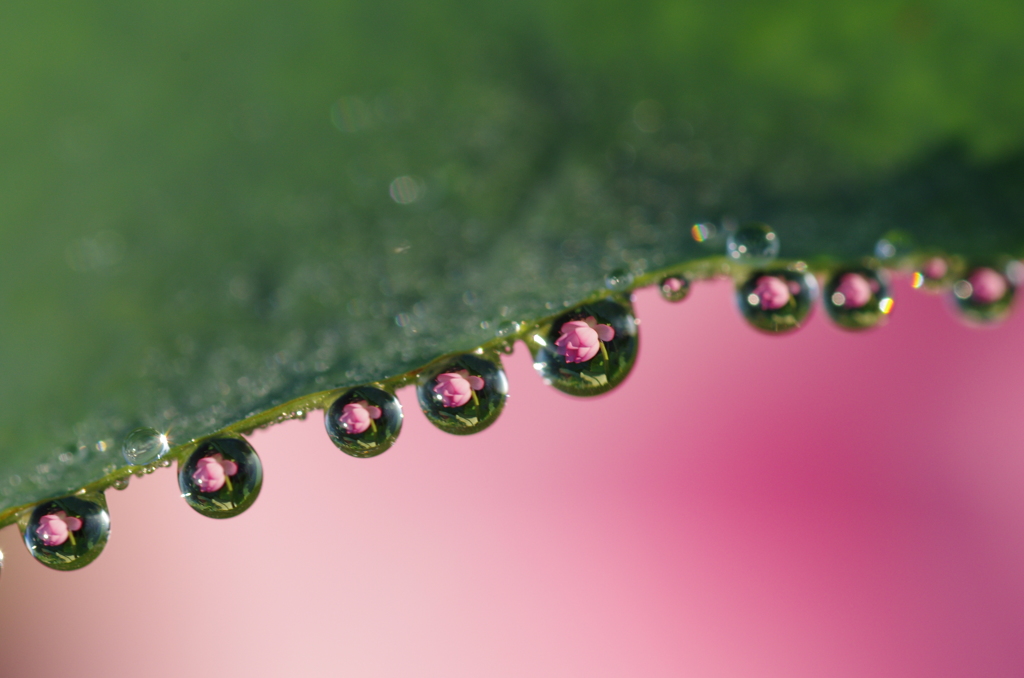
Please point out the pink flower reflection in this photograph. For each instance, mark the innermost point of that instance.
(358, 416)
(456, 388)
(856, 290)
(55, 528)
(581, 339)
(213, 472)
(771, 292)
(988, 286)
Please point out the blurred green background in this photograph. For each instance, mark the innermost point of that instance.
(210, 208)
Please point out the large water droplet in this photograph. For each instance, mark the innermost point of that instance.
(984, 295)
(464, 394)
(753, 242)
(221, 478)
(933, 274)
(674, 288)
(67, 533)
(364, 421)
(588, 350)
(857, 298)
(144, 446)
(620, 279)
(777, 301)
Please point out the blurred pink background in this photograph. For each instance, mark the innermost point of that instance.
(822, 504)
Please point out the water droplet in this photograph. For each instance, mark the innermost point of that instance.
(984, 295)
(703, 232)
(777, 301)
(620, 279)
(675, 288)
(144, 446)
(68, 533)
(164, 463)
(857, 298)
(364, 421)
(893, 245)
(221, 478)
(753, 242)
(933, 274)
(588, 350)
(464, 394)
(120, 483)
(507, 328)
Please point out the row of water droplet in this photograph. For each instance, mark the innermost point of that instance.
(585, 351)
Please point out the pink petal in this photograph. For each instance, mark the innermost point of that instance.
(374, 411)
(605, 332)
(73, 523)
(591, 322)
(475, 383)
(446, 377)
(230, 467)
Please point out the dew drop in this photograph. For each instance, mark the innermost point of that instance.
(464, 394)
(221, 478)
(932, 274)
(753, 242)
(674, 288)
(618, 280)
(588, 350)
(777, 301)
(507, 328)
(984, 295)
(120, 483)
(894, 245)
(364, 421)
(857, 298)
(144, 446)
(703, 232)
(67, 533)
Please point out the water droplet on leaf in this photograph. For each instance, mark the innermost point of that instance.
(364, 421)
(857, 298)
(933, 274)
(120, 483)
(703, 232)
(753, 243)
(507, 328)
(221, 478)
(894, 245)
(984, 295)
(588, 350)
(620, 279)
(675, 288)
(144, 446)
(464, 394)
(777, 301)
(68, 533)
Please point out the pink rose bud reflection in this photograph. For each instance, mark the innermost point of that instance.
(987, 285)
(856, 291)
(357, 417)
(581, 339)
(771, 292)
(672, 284)
(935, 268)
(456, 388)
(212, 472)
(55, 528)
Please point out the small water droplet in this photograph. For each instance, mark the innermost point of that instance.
(507, 328)
(933, 274)
(703, 232)
(465, 394)
(894, 245)
(144, 446)
(753, 242)
(618, 280)
(364, 421)
(120, 483)
(777, 301)
(164, 463)
(221, 478)
(675, 288)
(588, 350)
(984, 295)
(68, 533)
(857, 298)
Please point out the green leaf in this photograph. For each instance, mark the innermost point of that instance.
(213, 208)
